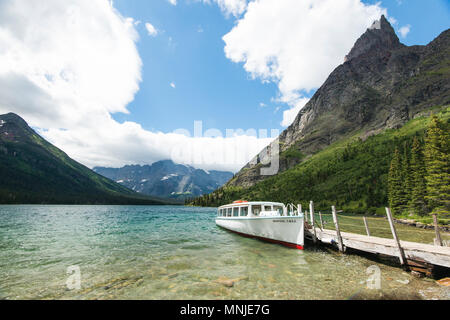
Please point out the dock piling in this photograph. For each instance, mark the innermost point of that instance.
(338, 231)
(366, 225)
(321, 221)
(394, 234)
(436, 229)
(311, 212)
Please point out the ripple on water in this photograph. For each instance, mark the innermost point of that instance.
(165, 252)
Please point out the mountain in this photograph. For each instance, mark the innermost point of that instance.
(34, 171)
(382, 84)
(167, 179)
(338, 149)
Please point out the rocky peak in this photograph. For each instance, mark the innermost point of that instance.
(380, 36)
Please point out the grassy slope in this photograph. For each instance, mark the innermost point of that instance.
(34, 171)
(351, 173)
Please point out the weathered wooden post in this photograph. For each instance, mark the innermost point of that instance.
(366, 225)
(321, 220)
(338, 231)
(311, 212)
(436, 229)
(394, 234)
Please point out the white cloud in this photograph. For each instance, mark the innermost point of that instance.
(297, 43)
(404, 30)
(290, 115)
(66, 66)
(230, 7)
(393, 21)
(173, 85)
(151, 29)
(173, 2)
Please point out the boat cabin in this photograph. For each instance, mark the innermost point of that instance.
(252, 209)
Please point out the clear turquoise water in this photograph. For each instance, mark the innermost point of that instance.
(164, 252)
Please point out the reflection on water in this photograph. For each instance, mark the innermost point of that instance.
(164, 252)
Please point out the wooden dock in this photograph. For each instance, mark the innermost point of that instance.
(414, 256)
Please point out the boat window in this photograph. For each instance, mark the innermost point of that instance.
(229, 212)
(221, 212)
(279, 209)
(236, 212)
(256, 210)
(267, 208)
(244, 211)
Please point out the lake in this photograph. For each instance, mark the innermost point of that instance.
(173, 252)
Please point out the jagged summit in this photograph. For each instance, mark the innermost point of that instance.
(167, 179)
(382, 85)
(380, 36)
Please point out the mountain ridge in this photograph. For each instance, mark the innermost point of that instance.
(381, 85)
(34, 171)
(167, 179)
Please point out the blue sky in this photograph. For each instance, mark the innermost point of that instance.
(108, 82)
(189, 52)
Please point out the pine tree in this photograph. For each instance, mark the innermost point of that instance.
(417, 204)
(406, 177)
(437, 165)
(396, 191)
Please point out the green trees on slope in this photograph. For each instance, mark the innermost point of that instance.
(353, 174)
(418, 181)
(396, 183)
(437, 166)
(417, 205)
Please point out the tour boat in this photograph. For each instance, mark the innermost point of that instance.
(270, 221)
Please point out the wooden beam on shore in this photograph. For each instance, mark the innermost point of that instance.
(436, 229)
(394, 234)
(338, 231)
(366, 225)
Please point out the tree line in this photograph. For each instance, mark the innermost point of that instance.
(419, 176)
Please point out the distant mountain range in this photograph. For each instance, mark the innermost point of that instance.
(167, 179)
(33, 171)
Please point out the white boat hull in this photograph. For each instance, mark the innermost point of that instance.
(285, 230)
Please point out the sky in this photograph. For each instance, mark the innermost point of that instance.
(202, 82)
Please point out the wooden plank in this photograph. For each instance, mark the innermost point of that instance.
(394, 234)
(338, 231)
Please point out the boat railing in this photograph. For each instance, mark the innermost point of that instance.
(292, 209)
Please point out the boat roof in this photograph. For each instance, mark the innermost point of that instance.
(245, 203)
